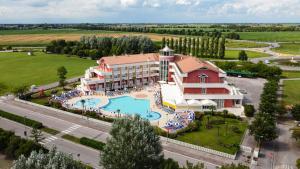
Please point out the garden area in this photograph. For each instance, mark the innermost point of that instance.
(291, 74)
(223, 135)
(41, 68)
(291, 92)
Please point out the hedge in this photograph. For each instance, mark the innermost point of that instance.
(92, 143)
(22, 120)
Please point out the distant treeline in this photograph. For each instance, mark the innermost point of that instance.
(96, 47)
(158, 30)
(212, 47)
(257, 27)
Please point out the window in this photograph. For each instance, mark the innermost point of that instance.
(203, 90)
(203, 78)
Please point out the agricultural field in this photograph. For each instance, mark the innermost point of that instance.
(244, 44)
(43, 37)
(288, 48)
(291, 92)
(233, 54)
(271, 36)
(225, 141)
(21, 69)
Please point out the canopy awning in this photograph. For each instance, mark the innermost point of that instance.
(194, 103)
(208, 103)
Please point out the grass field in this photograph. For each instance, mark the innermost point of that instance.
(209, 137)
(20, 69)
(288, 48)
(291, 74)
(291, 92)
(243, 44)
(233, 54)
(271, 36)
(39, 37)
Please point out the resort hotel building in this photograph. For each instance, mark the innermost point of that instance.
(186, 82)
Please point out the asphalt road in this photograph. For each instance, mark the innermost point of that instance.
(87, 155)
(80, 127)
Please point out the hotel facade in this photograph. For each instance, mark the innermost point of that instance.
(186, 82)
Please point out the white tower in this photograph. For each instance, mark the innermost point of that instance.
(166, 55)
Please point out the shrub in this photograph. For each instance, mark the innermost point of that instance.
(14, 146)
(236, 130)
(22, 120)
(217, 122)
(92, 143)
(298, 163)
(199, 115)
(249, 110)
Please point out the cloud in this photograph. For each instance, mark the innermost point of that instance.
(149, 10)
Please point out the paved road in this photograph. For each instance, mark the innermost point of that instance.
(81, 127)
(53, 85)
(87, 155)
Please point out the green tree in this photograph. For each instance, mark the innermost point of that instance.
(176, 46)
(163, 42)
(296, 134)
(53, 159)
(193, 47)
(234, 166)
(184, 46)
(249, 110)
(133, 145)
(243, 56)
(296, 112)
(61, 73)
(298, 163)
(222, 48)
(263, 128)
(172, 43)
(189, 46)
(197, 47)
(36, 134)
(202, 46)
(20, 91)
(192, 166)
(169, 164)
(180, 45)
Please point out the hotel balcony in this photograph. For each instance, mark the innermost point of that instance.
(89, 81)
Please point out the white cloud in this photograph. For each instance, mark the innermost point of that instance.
(127, 3)
(151, 3)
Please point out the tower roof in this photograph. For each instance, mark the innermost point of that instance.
(166, 49)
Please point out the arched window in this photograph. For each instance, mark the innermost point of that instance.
(203, 78)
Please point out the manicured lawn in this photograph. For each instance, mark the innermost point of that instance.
(242, 44)
(291, 74)
(209, 137)
(271, 36)
(233, 54)
(288, 48)
(20, 69)
(291, 92)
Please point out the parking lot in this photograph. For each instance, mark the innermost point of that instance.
(252, 87)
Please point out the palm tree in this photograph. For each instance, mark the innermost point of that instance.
(83, 107)
(225, 113)
(118, 112)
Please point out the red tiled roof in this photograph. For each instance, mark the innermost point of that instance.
(130, 59)
(188, 64)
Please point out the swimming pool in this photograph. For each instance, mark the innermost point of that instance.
(129, 105)
(89, 103)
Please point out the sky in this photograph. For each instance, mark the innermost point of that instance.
(149, 11)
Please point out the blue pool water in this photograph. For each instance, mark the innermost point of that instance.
(89, 103)
(129, 105)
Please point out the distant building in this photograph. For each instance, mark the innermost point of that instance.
(185, 80)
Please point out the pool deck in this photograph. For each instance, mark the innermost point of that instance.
(147, 93)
